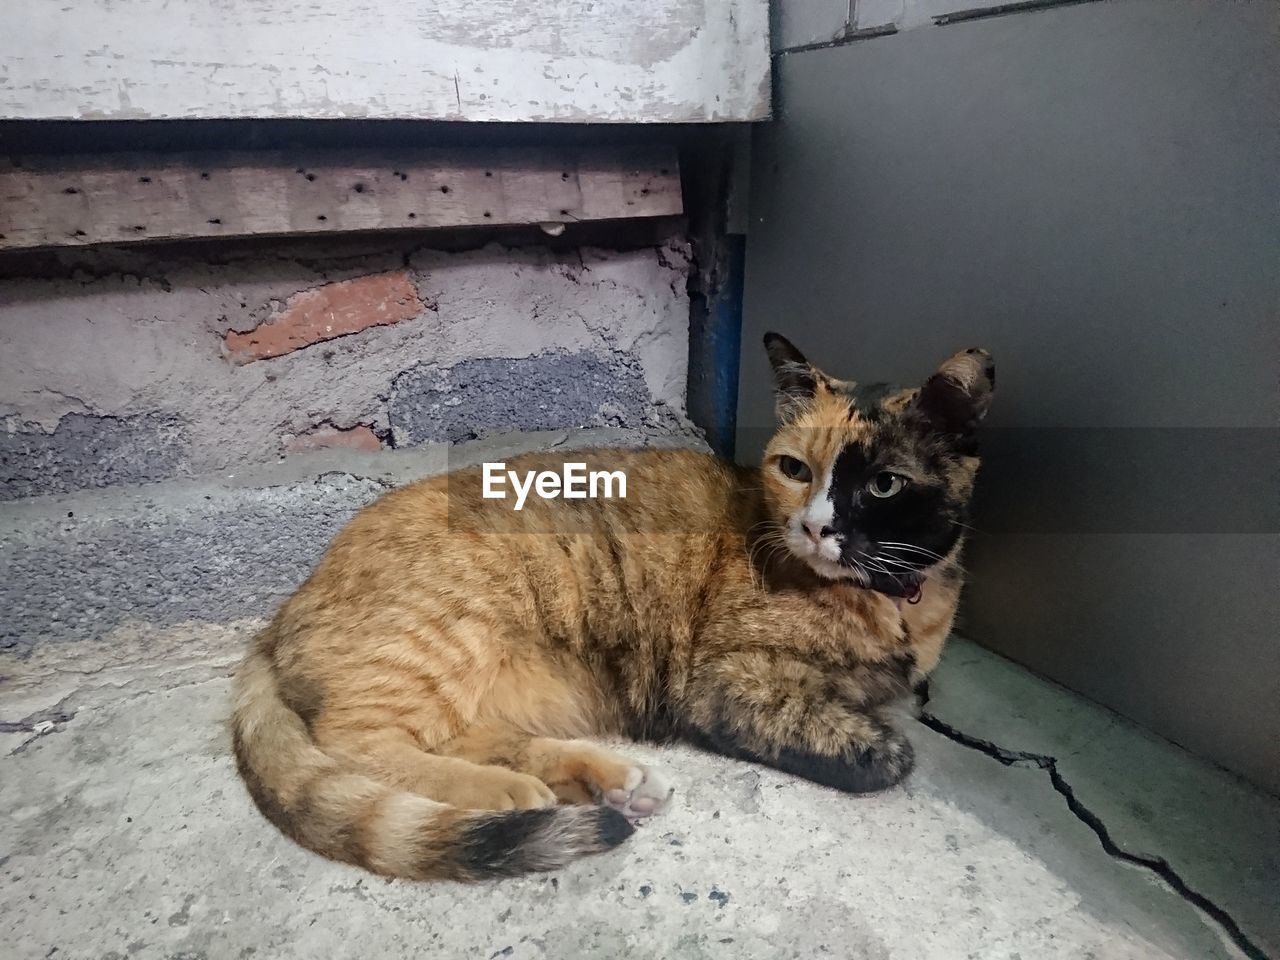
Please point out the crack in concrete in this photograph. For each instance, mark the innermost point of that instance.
(54, 719)
(45, 720)
(1156, 865)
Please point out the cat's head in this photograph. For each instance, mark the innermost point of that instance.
(869, 482)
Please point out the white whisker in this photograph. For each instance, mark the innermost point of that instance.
(878, 568)
(911, 567)
(907, 548)
(863, 576)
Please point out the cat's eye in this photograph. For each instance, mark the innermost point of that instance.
(794, 469)
(885, 484)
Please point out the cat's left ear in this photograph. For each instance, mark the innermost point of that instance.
(795, 379)
(958, 395)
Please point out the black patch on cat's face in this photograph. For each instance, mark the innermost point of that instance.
(865, 399)
(922, 514)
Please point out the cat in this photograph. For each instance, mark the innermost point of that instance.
(419, 706)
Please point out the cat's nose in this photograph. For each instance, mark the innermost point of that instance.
(815, 534)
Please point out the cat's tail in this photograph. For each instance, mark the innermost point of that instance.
(350, 817)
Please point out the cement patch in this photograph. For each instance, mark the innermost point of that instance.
(105, 341)
(550, 391)
(85, 451)
(80, 576)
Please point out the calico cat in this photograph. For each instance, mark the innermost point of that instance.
(417, 707)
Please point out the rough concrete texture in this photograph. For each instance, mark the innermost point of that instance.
(84, 451)
(128, 834)
(130, 339)
(207, 548)
(79, 572)
(478, 397)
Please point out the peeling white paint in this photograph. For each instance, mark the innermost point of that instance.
(579, 60)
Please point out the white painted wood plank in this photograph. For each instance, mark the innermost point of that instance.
(546, 60)
(73, 201)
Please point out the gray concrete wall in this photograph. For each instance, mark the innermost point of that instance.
(131, 366)
(1093, 193)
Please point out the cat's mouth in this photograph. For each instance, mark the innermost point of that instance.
(900, 583)
(903, 585)
(832, 561)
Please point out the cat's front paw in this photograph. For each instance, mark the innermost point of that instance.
(644, 792)
(883, 764)
(863, 767)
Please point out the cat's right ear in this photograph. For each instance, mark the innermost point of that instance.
(795, 381)
(956, 398)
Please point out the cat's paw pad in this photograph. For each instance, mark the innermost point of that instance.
(644, 792)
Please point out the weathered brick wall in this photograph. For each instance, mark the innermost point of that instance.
(137, 366)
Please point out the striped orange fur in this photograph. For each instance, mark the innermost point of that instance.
(422, 705)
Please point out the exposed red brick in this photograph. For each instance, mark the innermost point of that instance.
(359, 437)
(334, 310)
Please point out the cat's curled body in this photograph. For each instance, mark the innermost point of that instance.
(418, 707)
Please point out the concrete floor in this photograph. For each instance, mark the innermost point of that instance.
(127, 833)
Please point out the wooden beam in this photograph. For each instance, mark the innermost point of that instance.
(75, 201)
(576, 61)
